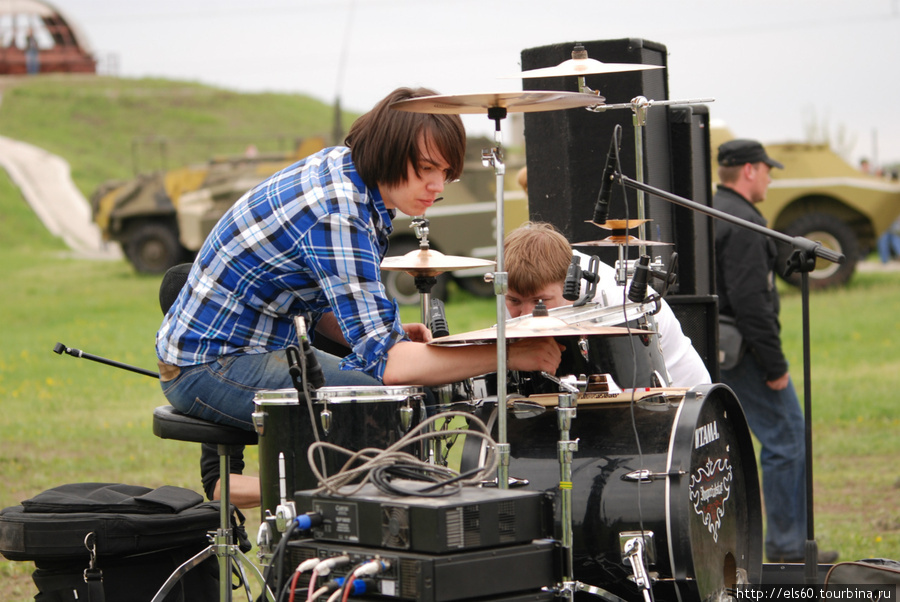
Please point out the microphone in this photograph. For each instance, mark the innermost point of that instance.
(637, 292)
(601, 209)
(314, 376)
(572, 285)
(439, 326)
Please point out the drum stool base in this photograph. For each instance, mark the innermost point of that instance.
(169, 423)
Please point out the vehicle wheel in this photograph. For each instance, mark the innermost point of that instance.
(153, 248)
(834, 234)
(401, 286)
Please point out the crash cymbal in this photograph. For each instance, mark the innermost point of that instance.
(535, 328)
(428, 262)
(618, 241)
(580, 67)
(620, 224)
(514, 102)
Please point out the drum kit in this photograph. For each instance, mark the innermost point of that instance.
(656, 488)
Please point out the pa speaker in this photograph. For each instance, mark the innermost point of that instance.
(699, 318)
(692, 179)
(566, 150)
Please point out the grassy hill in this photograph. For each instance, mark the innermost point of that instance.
(106, 127)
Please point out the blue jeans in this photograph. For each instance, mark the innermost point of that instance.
(222, 391)
(888, 243)
(776, 420)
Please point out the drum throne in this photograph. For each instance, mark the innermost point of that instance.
(169, 423)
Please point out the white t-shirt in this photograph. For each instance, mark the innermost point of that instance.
(684, 364)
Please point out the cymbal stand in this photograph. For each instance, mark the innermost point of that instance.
(424, 284)
(493, 157)
(566, 411)
(639, 106)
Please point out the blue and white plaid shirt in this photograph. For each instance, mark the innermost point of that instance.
(308, 240)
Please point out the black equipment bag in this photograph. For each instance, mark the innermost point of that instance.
(139, 535)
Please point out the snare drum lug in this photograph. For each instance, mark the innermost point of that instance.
(259, 422)
(584, 348)
(406, 416)
(325, 420)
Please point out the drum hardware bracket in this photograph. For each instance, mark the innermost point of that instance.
(634, 554)
(645, 476)
(568, 384)
(286, 511)
(420, 226)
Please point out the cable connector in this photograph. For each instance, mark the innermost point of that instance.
(324, 567)
(308, 565)
(358, 586)
(371, 568)
(308, 521)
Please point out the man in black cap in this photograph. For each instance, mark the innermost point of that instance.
(745, 283)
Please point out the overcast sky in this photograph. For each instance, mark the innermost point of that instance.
(774, 67)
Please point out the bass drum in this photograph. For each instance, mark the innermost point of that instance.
(687, 481)
(350, 417)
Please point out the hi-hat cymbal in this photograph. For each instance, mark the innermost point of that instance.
(619, 224)
(618, 241)
(580, 67)
(535, 328)
(428, 262)
(513, 102)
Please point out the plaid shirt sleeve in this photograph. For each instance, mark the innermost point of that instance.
(345, 259)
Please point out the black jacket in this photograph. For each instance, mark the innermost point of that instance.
(745, 281)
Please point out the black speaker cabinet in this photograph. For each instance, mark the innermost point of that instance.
(692, 179)
(699, 318)
(566, 152)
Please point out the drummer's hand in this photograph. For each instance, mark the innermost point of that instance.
(417, 333)
(534, 355)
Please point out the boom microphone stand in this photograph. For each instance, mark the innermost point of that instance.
(802, 260)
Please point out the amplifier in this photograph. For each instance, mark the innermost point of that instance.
(517, 572)
(472, 518)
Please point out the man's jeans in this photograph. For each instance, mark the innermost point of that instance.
(222, 391)
(776, 420)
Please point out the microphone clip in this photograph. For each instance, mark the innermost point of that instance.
(574, 276)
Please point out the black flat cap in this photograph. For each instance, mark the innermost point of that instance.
(740, 151)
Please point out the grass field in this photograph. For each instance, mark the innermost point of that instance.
(69, 420)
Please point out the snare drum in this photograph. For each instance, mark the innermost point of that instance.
(350, 417)
(687, 484)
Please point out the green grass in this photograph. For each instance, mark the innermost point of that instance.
(105, 126)
(68, 420)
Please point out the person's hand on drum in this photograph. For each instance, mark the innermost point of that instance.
(417, 332)
(534, 354)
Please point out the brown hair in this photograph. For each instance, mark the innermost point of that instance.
(729, 174)
(384, 141)
(536, 254)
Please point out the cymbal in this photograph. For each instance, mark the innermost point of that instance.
(580, 67)
(535, 328)
(428, 262)
(618, 241)
(514, 102)
(619, 224)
